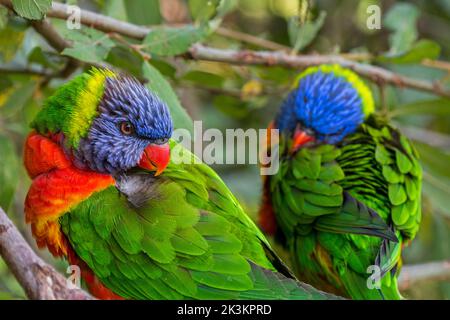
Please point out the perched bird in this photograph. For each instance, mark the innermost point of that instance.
(346, 197)
(106, 195)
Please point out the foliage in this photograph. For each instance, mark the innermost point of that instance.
(227, 96)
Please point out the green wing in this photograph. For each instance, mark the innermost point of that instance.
(335, 206)
(182, 235)
(392, 178)
(307, 194)
(388, 179)
(403, 173)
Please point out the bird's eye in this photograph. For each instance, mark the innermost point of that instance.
(160, 141)
(126, 128)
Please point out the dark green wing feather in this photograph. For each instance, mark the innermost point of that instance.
(307, 194)
(355, 218)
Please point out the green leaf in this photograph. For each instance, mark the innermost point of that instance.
(37, 55)
(3, 17)
(168, 41)
(125, 59)
(231, 106)
(32, 9)
(116, 9)
(9, 167)
(275, 74)
(225, 7)
(16, 100)
(440, 107)
(89, 45)
(143, 12)
(164, 67)
(302, 35)
(11, 39)
(204, 78)
(402, 20)
(159, 85)
(203, 10)
(422, 49)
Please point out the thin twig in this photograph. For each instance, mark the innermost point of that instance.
(136, 48)
(26, 70)
(437, 64)
(412, 274)
(271, 58)
(357, 56)
(37, 278)
(98, 21)
(46, 29)
(432, 138)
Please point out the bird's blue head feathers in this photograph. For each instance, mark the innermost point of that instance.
(328, 101)
(129, 119)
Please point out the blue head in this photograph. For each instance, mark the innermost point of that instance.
(132, 128)
(328, 104)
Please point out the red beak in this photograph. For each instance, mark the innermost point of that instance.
(300, 138)
(155, 158)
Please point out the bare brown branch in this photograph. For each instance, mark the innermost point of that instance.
(270, 58)
(37, 278)
(412, 274)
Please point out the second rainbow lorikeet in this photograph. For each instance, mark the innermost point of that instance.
(346, 198)
(106, 196)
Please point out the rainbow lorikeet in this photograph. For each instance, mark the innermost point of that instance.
(346, 197)
(135, 233)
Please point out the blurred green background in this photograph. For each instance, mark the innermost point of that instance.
(414, 40)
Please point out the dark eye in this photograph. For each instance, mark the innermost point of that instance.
(126, 128)
(160, 141)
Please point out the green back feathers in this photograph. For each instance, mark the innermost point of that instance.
(73, 107)
(363, 90)
(189, 240)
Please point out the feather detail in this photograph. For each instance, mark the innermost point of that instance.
(56, 188)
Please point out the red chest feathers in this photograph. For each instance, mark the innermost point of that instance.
(57, 187)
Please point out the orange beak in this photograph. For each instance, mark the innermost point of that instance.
(300, 138)
(155, 158)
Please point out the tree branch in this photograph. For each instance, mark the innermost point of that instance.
(432, 138)
(270, 58)
(46, 30)
(25, 70)
(412, 274)
(249, 57)
(38, 279)
(98, 21)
